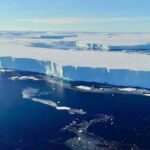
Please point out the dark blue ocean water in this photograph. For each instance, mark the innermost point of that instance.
(112, 121)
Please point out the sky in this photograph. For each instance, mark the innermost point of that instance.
(75, 15)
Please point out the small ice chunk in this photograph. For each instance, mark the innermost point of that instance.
(146, 94)
(127, 89)
(82, 87)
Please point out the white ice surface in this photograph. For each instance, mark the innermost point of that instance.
(110, 60)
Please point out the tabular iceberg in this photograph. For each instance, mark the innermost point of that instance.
(115, 68)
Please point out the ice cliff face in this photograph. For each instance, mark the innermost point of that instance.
(120, 77)
(26, 64)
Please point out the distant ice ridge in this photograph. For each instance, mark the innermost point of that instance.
(119, 77)
(87, 45)
(91, 46)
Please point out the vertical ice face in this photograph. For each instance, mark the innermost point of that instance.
(56, 70)
(48, 69)
(120, 77)
(24, 64)
(1, 64)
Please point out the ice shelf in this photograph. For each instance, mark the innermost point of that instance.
(116, 68)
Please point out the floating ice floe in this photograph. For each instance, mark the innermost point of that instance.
(146, 94)
(31, 93)
(5, 70)
(24, 78)
(82, 87)
(127, 89)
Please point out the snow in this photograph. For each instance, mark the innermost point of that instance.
(114, 39)
(116, 68)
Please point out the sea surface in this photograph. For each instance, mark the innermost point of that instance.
(42, 113)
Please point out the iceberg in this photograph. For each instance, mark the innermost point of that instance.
(114, 68)
(86, 88)
(91, 46)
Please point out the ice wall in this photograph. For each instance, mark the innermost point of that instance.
(26, 64)
(23, 64)
(120, 77)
